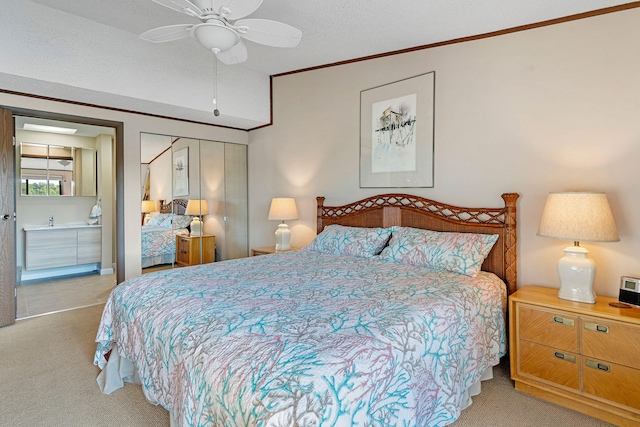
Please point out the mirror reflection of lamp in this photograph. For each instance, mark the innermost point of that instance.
(197, 208)
(283, 209)
(147, 207)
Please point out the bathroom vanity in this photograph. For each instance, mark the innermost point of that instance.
(62, 245)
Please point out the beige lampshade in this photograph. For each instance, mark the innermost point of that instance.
(197, 207)
(283, 209)
(148, 206)
(577, 216)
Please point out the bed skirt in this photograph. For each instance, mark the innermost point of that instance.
(119, 370)
(150, 261)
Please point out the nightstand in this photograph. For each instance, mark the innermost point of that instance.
(582, 356)
(269, 250)
(188, 249)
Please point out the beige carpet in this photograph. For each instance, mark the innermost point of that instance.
(47, 378)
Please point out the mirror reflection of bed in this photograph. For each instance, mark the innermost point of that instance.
(159, 234)
(178, 172)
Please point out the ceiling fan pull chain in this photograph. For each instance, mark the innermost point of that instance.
(216, 112)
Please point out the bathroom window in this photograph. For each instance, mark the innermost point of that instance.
(41, 186)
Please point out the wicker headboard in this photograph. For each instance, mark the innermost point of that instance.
(387, 210)
(176, 206)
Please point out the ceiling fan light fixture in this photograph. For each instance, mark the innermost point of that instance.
(223, 28)
(206, 6)
(215, 35)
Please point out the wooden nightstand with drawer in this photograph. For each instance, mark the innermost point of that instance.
(188, 249)
(582, 356)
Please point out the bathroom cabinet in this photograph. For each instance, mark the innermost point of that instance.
(62, 246)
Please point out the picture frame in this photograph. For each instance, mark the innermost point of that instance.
(397, 122)
(181, 172)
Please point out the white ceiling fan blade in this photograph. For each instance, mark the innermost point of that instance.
(267, 32)
(235, 55)
(236, 9)
(167, 34)
(182, 6)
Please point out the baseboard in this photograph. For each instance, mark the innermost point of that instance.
(28, 275)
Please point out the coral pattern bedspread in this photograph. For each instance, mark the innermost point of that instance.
(157, 240)
(325, 340)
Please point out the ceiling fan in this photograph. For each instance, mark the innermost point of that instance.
(221, 28)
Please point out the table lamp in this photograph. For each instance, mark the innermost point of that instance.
(283, 209)
(577, 216)
(196, 208)
(147, 207)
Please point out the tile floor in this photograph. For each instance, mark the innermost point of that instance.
(47, 296)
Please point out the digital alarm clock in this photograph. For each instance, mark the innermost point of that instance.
(630, 290)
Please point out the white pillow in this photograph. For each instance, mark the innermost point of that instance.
(355, 241)
(461, 253)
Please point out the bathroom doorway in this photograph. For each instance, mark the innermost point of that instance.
(62, 293)
(41, 289)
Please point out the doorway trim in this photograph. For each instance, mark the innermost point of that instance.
(119, 178)
(7, 230)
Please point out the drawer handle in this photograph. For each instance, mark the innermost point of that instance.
(596, 365)
(563, 321)
(596, 328)
(568, 357)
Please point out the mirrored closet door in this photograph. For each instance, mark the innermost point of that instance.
(193, 201)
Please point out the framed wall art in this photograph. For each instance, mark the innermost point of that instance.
(397, 133)
(181, 172)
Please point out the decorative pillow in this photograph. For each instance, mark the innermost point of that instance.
(177, 221)
(158, 219)
(461, 253)
(354, 241)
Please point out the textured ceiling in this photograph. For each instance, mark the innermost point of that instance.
(332, 31)
(337, 30)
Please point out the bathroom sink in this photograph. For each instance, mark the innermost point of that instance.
(57, 226)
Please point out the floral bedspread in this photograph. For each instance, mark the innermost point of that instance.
(158, 240)
(306, 339)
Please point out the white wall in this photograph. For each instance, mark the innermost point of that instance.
(105, 146)
(134, 124)
(549, 109)
(59, 55)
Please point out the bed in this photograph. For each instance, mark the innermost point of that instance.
(159, 234)
(353, 329)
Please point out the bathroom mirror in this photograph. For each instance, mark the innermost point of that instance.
(57, 170)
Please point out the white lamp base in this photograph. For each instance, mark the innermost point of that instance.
(576, 273)
(196, 227)
(283, 237)
(147, 217)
